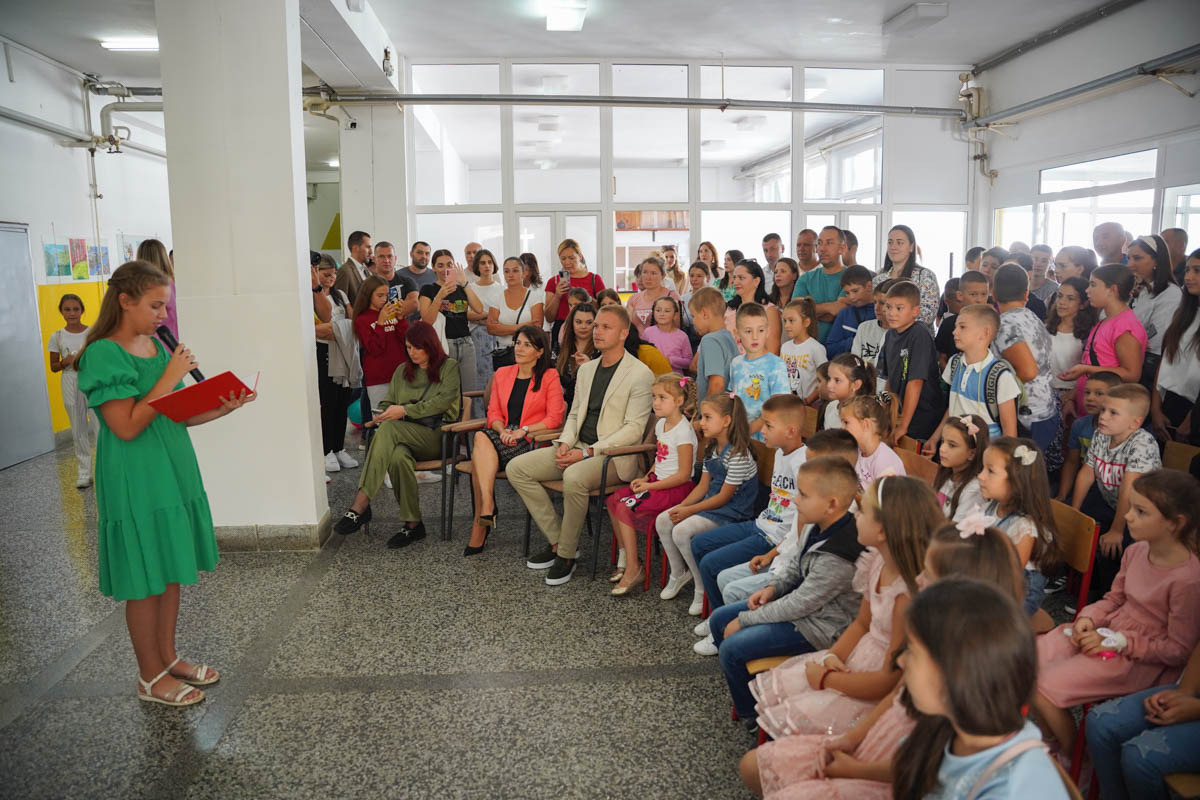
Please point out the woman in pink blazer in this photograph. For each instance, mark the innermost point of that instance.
(526, 399)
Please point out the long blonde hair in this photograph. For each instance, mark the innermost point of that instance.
(132, 279)
(155, 252)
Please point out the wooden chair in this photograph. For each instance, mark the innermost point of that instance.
(1077, 537)
(1179, 456)
(917, 465)
(1185, 785)
(598, 496)
(810, 423)
(450, 455)
(908, 443)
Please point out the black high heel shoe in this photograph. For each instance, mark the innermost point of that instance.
(473, 551)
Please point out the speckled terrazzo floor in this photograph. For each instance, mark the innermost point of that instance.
(354, 672)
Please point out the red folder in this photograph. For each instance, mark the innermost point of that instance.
(183, 404)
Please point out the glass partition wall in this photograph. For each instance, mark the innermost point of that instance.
(629, 181)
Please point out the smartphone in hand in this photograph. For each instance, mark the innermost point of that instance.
(393, 294)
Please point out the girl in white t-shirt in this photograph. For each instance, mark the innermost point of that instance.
(668, 482)
(850, 376)
(961, 454)
(801, 351)
(65, 345)
(868, 422)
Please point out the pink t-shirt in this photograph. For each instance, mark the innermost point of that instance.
(1103, 342)
(675, 345)
(883, 461)
(641, 308)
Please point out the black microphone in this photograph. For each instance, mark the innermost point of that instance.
(168, 338)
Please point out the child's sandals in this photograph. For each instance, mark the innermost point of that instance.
(172, 698)
(200, 675)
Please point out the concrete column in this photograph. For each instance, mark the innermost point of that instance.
(373, 179)
(235, 164)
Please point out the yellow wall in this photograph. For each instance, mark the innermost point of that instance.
(48, 296)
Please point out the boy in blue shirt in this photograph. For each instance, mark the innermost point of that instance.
(757, 375)
(1083, 428)
(856, 285)
(717, 346)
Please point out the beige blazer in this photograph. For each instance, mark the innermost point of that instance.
(624, 414)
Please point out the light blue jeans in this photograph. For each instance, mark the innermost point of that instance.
(1131, 755)
(738, 583)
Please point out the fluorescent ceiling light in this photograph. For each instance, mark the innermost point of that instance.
(565, 15)
(916, 18)
(142, 43)
(333, 162)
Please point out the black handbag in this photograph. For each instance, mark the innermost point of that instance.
(433, 421)
(505, 356)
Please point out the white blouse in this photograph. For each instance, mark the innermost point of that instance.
(1065, 350)
(1155, 313)
(1182, 374)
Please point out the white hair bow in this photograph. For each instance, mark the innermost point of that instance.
(974, 524)
(1025, 455)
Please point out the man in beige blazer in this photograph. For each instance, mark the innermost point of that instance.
(611, 407)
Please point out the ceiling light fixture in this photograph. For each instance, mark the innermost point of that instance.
(333, 162)
(131, 43)
(565, 15)
(915, 18)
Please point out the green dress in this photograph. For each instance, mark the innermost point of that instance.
(154, 526)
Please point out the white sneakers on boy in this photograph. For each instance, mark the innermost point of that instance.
(331, 463)
(344, 459)
(701, 629)
(674, 585)
(705, 647)
(697, 605)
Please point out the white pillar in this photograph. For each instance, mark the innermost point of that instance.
(235, 164)
(372, 172)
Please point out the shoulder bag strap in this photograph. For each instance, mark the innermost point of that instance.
(999, 761)
(522, 308)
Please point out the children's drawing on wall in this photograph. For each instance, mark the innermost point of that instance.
(129, 244)
(98, 265)
(57, 259)
(79, 258)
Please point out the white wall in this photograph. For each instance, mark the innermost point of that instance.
(321, 210)
(46, 184)
(1145, 115)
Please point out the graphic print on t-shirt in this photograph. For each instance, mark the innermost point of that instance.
(783, 494)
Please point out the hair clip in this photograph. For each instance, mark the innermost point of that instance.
(733, 395)
(974, 524)
(969, 424)
(683, 383)
(1025, 455)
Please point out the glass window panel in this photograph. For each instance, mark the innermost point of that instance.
(650, 145)
(817, 221)
(536, 234)
(636, 234)
(556, 149)
(457, 148)
(744, 229)
(843, 153)
(746, 155)
(1011, 225)
(583, 229)
(940, 237)
(1183, 211)
(452, 231)
(865, 227)
(1070, 222)
(1100, 172)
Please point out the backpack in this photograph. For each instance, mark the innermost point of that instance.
(991, 382)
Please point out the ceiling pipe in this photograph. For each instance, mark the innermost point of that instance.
(1051, 34)
(328, 99)
(108, 132)
(71, 138)
(1147, 69)
(116, 89)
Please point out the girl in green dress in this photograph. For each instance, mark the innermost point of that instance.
(154, 528)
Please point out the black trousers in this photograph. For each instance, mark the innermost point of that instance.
(334, 400)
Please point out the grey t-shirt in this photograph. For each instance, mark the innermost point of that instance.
(1022, 325)
(420, 281)
(1138, 453)
(717, 351)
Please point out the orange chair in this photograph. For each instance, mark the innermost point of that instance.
(909, 443)
(1179, 456)
(917, 465)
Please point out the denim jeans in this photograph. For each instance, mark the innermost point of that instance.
(726, 546)
(738, 583)
(751, 642)
(1131, 756)
(1035, 590)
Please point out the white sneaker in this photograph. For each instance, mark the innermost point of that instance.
(697, 605)
(345, 460)
(701, 629)
(387, 481)
(83, 481)
(331, 463)
(428, 476)
(705, 647)
(674, 585)
(328, 480)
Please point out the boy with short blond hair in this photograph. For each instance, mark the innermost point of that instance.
(717, 345)
(1121, 451)
(757, 374)
(909, 364)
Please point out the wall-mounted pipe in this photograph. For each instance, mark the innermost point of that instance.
(107, 131)
(328, 98)
(71, 138)
(114, 89)
(1146, 69)
(1057, 32)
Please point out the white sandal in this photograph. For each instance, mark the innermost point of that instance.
(174, 698)
(202, 675)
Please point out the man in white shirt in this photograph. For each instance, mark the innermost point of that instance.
(354, 269)
(469, 251)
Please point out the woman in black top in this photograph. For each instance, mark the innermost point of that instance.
(451, 296)
(577, 347)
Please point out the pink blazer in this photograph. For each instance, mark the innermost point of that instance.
(544, 405)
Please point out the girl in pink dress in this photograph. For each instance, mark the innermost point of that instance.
(828, 691)
(1117, 342)
(858, 764)
(666, 335)
(1140, 634)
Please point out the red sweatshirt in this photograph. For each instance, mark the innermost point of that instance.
(382, 346)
